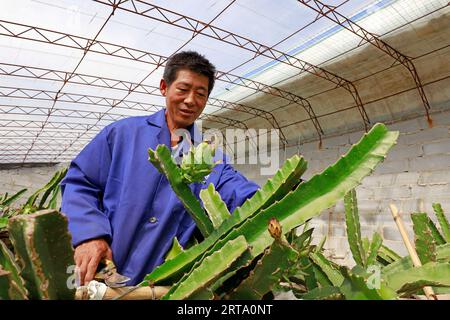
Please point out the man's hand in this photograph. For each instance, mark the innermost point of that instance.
(88, 255)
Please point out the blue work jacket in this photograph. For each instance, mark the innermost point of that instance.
(111, 190)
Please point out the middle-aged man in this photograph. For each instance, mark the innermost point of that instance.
(118, 205)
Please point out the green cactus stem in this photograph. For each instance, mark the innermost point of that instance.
(276, 259)
(8, 287)
(275, 188)
(213, 266)
(432, 273)
(354, 228)
(328, 268)
(355, 287)
(425, 242)
(198, 162)
(445, 226)
(387, 255)
(405, 263)
(7, 262)
(214, 205)
(320, 192)
(175, 250)
(375, 245)
(44, 251)
(306, 201)
(162, 160)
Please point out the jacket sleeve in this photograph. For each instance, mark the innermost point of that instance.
(234, 188)
(82, 191)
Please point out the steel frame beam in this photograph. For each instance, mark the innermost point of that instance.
(332, 14)
(350, 50)
(143, 8)
(32, 33)
(46, 95)
(29, 110)
(82, 79)
(274, 91)
(55, 99)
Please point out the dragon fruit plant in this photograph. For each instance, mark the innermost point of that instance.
(198, 162)
(42, 258)
(379, 273)
(240, 259)
(255, 250)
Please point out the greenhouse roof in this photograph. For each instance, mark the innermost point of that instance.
(69, 68)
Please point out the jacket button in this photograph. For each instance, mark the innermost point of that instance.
(152, 219)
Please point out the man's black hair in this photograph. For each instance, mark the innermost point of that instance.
(192, 61)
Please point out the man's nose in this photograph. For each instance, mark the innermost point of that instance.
(189, 100)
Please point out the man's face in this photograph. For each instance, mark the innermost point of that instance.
(185, 98)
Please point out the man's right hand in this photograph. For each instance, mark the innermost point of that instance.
(87, 257)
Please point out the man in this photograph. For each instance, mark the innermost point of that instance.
(118, 205)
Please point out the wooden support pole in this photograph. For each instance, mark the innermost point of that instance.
(411, 250)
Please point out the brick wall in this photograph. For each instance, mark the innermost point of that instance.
(415, 174)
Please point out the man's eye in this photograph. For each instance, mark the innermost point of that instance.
(182, 89)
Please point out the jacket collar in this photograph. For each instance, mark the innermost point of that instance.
(158, 119)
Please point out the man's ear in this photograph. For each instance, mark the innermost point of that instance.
(163, 87)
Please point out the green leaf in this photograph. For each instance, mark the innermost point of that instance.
(433, 271)
(307, 266)
(326, 266)
(175, 250)
(211, 268)
(299, 242)
(162, 160)
(52, 188)
(388, 254)
(354, 287)
(7, 201)
(3, 222)
(405, 263)
(425, 243)
(445, 227)
(411, 288)
(268, 272)
(47, 188)
(354, 228)
(321, 277)
(375, 245)
(214, 205)
(320, 244)
(8, 263)
(53, 200)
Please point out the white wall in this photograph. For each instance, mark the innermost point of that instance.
(415, 174)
